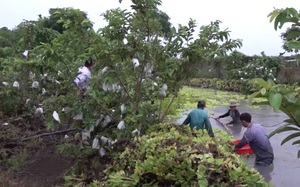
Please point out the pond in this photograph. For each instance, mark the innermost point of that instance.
(286, 167)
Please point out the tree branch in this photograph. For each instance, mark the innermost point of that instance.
(47, 134)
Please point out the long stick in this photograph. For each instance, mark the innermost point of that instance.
(227, 129)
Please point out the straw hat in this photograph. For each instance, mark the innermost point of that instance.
(232, 104)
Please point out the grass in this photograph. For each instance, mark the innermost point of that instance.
(17, 161)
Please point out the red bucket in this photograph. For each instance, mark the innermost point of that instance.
(246, 149)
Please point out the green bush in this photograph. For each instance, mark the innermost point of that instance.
(222, 84)
(173, 155)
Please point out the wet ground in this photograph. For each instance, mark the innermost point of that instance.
(286, 167)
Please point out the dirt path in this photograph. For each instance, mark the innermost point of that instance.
(46, 168)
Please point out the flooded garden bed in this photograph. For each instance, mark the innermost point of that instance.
(286, 164)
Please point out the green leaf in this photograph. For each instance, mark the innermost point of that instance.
(292, 35)
(290, 121)
(296, 142)
(261, 103)
(293, 44)
(278, 19)
(263, 91)
(297, 134)
(293, 11)
(276, 130)
(261, 82)
(273, 15)
(254, 95)
(283, 129)
(275, 100)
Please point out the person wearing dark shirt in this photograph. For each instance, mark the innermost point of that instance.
(198, 119)
(233, 113)
(258, 140)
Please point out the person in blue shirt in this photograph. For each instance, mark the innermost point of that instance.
(198, 119)
(258, 140)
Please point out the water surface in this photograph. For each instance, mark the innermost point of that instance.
(286, 169)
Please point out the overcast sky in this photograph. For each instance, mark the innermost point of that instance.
(247, 20)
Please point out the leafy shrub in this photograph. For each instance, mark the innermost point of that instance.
(172, 155)
(222, 84)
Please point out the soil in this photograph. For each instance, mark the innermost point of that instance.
(45, 168)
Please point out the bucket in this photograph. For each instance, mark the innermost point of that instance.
(246, 149)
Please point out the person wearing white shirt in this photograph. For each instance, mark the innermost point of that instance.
(82, 79)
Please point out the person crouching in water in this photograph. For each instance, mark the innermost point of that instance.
(198, 119)
(233, 113)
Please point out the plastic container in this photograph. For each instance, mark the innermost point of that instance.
(246, 149)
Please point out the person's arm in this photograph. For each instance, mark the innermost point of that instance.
(225, 115)
(247, 138)
(187, 120)
(208, 127)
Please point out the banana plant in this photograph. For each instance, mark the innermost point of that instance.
(284, 98)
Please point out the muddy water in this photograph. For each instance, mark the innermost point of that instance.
(286, 168)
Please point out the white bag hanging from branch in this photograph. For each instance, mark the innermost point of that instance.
(123, 109)
(103, 140)
(163, 91)
(121, 125)
(116, 88)
(125, 41)
(35, 84)
(16, 84)
(44, 91)
(99, 120)
(38, 112)
(56, 116)
(85, 135)
(135, 62)
(31, 75)
(104, 86)
(104, 70)
(164, 87)
(79, 116)
(136, 132)
(95, 144)
(25, 53)
(106, 121)
(162, 94)
(102, 152)
(27, 101)
(148, 70)
(109, 141)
